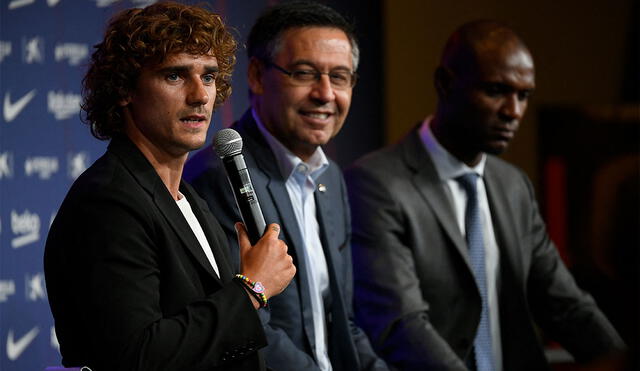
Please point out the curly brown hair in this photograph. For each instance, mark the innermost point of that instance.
(137, 38)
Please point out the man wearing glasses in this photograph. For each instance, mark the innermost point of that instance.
(303, 58)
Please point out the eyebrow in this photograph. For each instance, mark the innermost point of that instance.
(313, 65)
(187, 68)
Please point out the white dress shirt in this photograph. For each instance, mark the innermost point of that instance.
(301, 183)
(449, 168)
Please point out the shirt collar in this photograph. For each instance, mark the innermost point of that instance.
(447, 166)
(289, 162)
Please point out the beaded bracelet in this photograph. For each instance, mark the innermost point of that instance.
(255, 288)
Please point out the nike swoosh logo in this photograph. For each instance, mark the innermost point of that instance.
(15, 348)
(18, 3)
(11, 110)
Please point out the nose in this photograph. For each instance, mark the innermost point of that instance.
(322, 91)
(198, 93)
(513, 107)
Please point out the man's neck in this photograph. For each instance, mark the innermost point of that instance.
(170, 174)
(447, 139)
(169, 168)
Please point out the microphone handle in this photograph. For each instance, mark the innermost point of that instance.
(245, 196)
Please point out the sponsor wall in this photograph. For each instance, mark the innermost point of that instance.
(44, 48)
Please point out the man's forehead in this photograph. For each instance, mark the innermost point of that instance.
(315, 37)
(502, 62)
(315, 45)
(186, 59)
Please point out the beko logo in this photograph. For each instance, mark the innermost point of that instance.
(7, 288)
(6, 165)
(63, 106)
(13, 109)
(15, 347)
(34, 286)
(72, 52)
(78, 163)
(43, 166)
(26, 226)
(5, 49)
(33, 50)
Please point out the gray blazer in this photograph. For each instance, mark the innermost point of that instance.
(288, 321)
(415, 295)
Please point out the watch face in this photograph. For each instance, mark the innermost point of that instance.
(258, 287)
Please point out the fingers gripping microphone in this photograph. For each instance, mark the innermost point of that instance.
(228, 146)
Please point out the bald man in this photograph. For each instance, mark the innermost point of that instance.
(454, 268)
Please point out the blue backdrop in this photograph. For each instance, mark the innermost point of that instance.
(44, 50)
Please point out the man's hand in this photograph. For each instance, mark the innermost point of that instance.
(267, 261)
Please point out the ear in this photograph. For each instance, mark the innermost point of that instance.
(254, 77)
(443, 79)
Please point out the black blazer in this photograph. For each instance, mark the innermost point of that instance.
(414, 289)
(289, 321)
(130, 287)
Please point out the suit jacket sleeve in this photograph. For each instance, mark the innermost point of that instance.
(121, 255)
(215, 189)
(568, 314)
(389, 304)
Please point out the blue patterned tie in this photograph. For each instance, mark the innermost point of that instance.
(473, 224)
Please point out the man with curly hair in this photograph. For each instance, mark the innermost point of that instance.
(137, 268)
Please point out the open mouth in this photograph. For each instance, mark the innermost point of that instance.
(193, 120)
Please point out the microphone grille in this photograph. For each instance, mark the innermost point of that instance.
(227, 142)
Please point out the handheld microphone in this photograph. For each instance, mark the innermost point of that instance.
(228, 146)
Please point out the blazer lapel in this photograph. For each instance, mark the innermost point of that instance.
(268, 176)
(146, 175)
(427, 184)
(341, 347)
(218, 248)
(504, 228)
(326, 220)
(172, 213)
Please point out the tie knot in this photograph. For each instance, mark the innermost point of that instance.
(468, 182)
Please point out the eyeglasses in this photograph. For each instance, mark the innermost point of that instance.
(340, 79)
